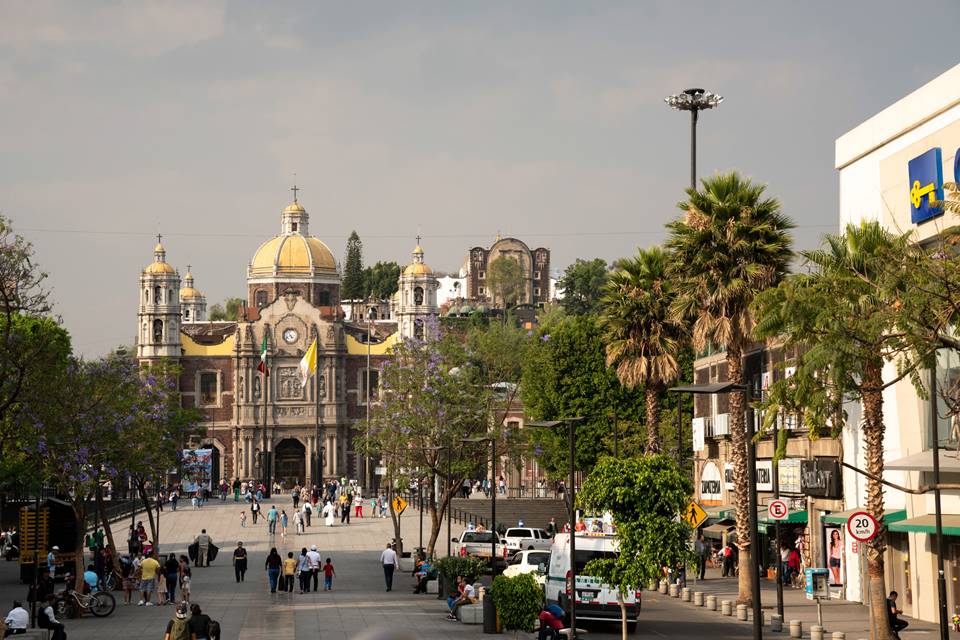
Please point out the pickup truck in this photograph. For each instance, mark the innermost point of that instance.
(477, 544)
(519, 538)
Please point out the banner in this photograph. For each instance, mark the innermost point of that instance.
(196, 470)
(711, 485)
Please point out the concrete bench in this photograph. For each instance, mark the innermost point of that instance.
(34, 634)
(470, 613)
(433, 586)
(566, 632)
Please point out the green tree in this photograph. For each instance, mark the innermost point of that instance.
(731, 244)
(381, 280)
(506, 282)
(583, 286)
(352, 285)
(645, 497)
(229, 311)
(845, 315)
(643, 339)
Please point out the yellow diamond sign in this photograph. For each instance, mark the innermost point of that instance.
(694, 515)
(399, 504)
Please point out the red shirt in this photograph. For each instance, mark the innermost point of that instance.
(328, 570)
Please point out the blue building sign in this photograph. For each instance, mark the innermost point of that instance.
(926, 186)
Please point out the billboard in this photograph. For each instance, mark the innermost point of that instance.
(196, 469)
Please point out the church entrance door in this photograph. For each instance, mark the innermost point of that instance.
(290, 462)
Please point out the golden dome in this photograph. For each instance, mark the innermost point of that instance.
(294, 207)
(418, 250)
(417, 269)
(189, 293)
(159, 267)
(292, 253)
(159, 248)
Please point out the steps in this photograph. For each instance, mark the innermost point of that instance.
(535, 512)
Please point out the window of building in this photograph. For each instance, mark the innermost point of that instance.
(482, 275)
(293, 227)
(157, 295)
(325, 299)
(186, 313)
(418, 329)
(536, 291)
(208, 388)
(536, 275)
(261, 299)
(146, 296)
(158, 330)
(481, 290)
(418, 296)
(169, 296)
(374, 385)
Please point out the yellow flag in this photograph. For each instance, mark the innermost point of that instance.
(308, 364)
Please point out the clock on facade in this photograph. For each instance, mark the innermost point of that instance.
(290, 336)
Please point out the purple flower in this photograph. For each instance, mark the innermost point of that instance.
(545, 337)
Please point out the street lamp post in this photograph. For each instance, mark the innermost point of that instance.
(938, 512)
(694, 101)
(571, 511)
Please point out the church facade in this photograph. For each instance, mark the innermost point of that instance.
(270, 425)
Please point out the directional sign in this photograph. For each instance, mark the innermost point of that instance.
(777, 509)
(862, 526)
(399, 504)
(694, 515)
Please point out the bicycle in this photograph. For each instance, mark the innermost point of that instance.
(71, 604)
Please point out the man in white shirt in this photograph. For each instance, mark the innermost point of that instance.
(17, 620)
(313, 558)
(390, 562)
(468, 596)
(46, 619)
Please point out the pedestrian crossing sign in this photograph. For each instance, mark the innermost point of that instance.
(694, 514)
(399, 505)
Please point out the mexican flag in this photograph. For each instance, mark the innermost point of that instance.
(262, 367)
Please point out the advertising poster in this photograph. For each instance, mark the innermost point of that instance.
(834, 551)
(197, 465)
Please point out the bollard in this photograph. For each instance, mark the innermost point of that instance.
(698, 598)
(685, 594)
(726, 608)
(674, 590)
(776, 622)
(663, 586)
(839, 635)
(711, 603)
(742, 612)
(653, 586)
(816, 632)
(796, 628)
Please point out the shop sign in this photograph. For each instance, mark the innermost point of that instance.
(699, 429)
(728, 473)
(926, 185)
(711, 485)
(764, 475)
(820, 478)
(788, 471)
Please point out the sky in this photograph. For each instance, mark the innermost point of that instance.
(452, 120)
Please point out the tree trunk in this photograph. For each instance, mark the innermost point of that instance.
(623, 616)
(873, 429)
(107, 529)
(155, 535)
(80, 513)
(652, 396)
(741, 483)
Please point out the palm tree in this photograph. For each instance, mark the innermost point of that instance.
(731, 244)
(642, 339)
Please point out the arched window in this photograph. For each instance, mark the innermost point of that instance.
(186, 313)
(418, 296)
(158, 330)
(157, 294)
(169, 295)
(144, 334)
(261, 299)
(146, 296)
(418, 329)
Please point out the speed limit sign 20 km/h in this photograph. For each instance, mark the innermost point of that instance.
(862, 526)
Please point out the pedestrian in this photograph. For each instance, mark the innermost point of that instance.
(255, 510)
(289, 571)
(273, 565)
(345, 502)
(296, 498)
(179, 626)
(272, 516)
(896, 624)
(236, 489)
(46, 619)
(239, 562)
(358, 506)
(243, 518)
(17, 620)
(195, 500)
(383, 505)
(700, 549)
(199, 623)
(314, 559)
(186, 576)
(283, 524)
(328, 574)
(149, 569)
(128, 581)
(203, 542)
(52, 560)
(171, 572)
(298, 522)
(307, 511)
(303, 570)
(388, 558)
(223, 490)
(328, 513)
(174, 499)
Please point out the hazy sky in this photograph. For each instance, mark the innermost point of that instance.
(543, 120)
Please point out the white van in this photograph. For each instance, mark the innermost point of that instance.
(595, 600)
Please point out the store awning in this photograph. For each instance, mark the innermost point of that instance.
(889, 516)
(718, 529)
(720, 511)
(949, 462)
(795, 517)
(927, 524)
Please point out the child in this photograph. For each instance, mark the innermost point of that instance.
(328, 574)
(243, 518)
(185, 575)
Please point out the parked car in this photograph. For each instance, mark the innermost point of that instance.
(595, 600)
(478, 544)
(529, 561)
(518, 538)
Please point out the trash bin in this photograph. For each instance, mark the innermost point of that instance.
(489, 615)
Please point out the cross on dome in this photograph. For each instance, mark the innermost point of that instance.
(295, 188)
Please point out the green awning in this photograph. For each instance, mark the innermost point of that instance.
(720, 511)
(927, 524)
(889, 516)
(795, 517)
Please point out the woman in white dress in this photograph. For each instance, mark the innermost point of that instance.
(328, 514)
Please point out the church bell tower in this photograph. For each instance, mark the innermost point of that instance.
(416, 309)
(158, 333)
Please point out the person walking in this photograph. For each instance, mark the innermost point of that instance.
(298, 522)
(296, 498)
(186, 577)
(273, 565)
(203, 542)
(255, 510)
(283, 524)
(243, 519)
(239, 562)
(171, 573)
(236, 489)
(314, 559)
(700, 549)
(272, 516)
(149, 569)
(307, 510)
(178, 628)
(199, 623)
(328, 573)
(328, 513)
(303, 570)
(357, 506)
(389, 560)
(289, 571)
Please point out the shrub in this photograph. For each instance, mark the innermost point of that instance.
(452, 566)
(518, 601)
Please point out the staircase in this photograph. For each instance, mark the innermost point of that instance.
(535, 512)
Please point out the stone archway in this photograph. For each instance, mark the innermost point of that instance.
(290, 462)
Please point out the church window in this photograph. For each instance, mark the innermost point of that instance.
(536, 291)
(481, 291)
(208, 388)
(482, 275)
(261, 299)
(186, 314)
(158, 330)
(146, 296)
(536, 275)
(374, 385)
(418, 296)
(157, 294)
(418, 329)
(169, 295)
(325, 299)
(293, 227)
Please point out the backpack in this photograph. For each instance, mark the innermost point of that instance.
(180, 629)
(213, 630)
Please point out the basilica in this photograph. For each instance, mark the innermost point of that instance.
(259, 419)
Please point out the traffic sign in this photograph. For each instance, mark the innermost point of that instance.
(778, 510)
(399, 505)
(862, 526)
(694, 515)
